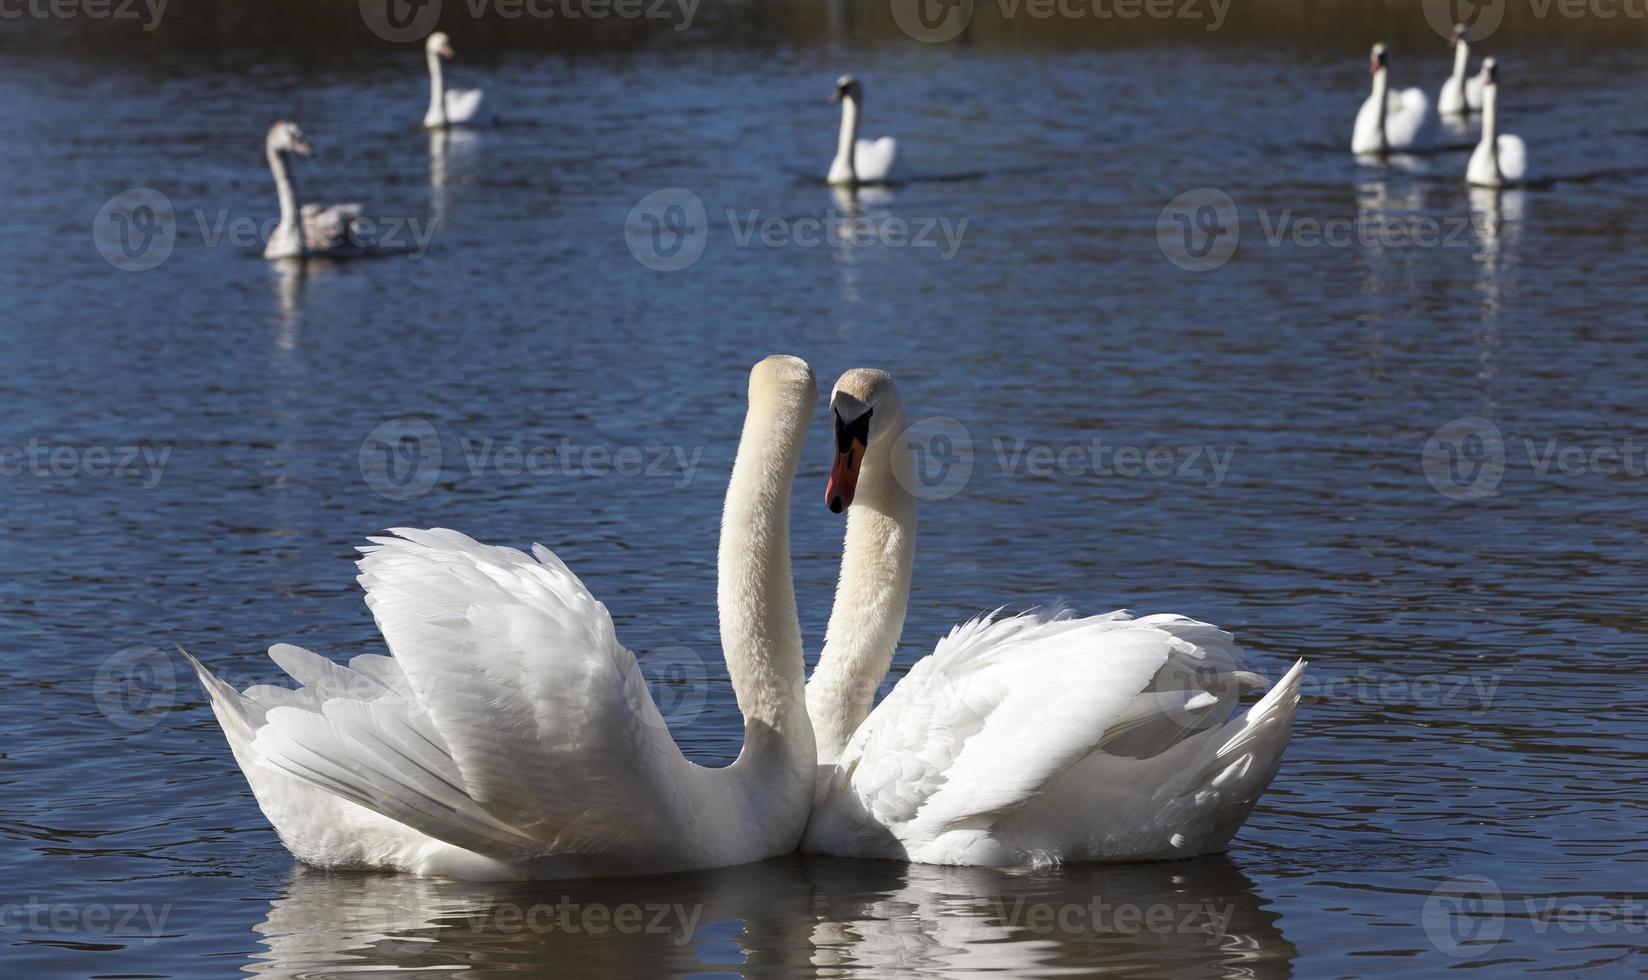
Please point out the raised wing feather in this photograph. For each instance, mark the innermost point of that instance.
(1408, 119)
(1001, 707)
(878, 161)
(462, 105)
(1513, 158)
(327, 228)
(520, 726)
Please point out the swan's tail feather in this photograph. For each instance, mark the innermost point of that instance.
(1242, 767)
(237, 714)
(379, 755)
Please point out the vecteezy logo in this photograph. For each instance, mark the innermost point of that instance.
(136, 229)
(941, 456)
(1465, 458)
(1482, 17)
(401, 459)
(668, 229)
(1465, 916)
(1198, 231)
(135, 687)
(933, 21)
(675, 679)
(399, 21)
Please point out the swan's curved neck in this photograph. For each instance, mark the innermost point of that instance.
(437, 91)
(1490, 126)
(848, 139)
(877, 559)
(284, 187)
(755, 595)
(1461, 62)
(1381, 98)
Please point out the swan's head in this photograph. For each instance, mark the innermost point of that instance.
(864, 409)
(785, 383)
(1378, 60)
(1490, 71)
(286, 137)
(1461, 34)
(848, 87)
(439, 44)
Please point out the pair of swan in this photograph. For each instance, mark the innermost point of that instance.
(1462, 93)
(330, 231)
(510, 735)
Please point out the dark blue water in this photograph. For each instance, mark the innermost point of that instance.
(184, 453)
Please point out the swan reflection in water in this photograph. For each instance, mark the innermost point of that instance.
(798, 914)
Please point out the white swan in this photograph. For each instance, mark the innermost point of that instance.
(1461, 93)
(1023, 740)
(447, 107)
(311, 229)
(1499, 159)
(1390, 120)
(510, 735)
(859, 162)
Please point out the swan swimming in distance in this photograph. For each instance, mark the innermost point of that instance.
(1021, 740)
(310, 229)
(509, 735)
(447, 107)
(1499, 159)
(859, 162)
(1462, 93)
(1389, 121)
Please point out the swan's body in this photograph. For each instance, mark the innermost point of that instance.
(447, 107)
(311, 229)
(511, 736)
(1391, 121)
(1023, 740)
(1462, 93)
(1499, 159)
(861, 162)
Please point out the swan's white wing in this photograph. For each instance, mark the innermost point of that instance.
(328, 227)
(1513, 158)
(462, 105)
(520, 727)
(878, 161)
(1408, 119)
(998, 710)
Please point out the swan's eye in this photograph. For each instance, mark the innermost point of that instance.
(847, 433)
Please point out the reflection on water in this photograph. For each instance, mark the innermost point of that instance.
(1196, 918)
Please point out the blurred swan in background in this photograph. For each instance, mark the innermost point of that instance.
(1024, 740)
(858, 162)
(510, 735)
(447, 107)
(1499, 160)
(1390, 120)
(1462, 92)
(311, 229)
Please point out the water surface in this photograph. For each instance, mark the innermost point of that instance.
(1465, 789)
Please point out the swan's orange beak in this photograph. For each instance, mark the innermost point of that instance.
(838, 493)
